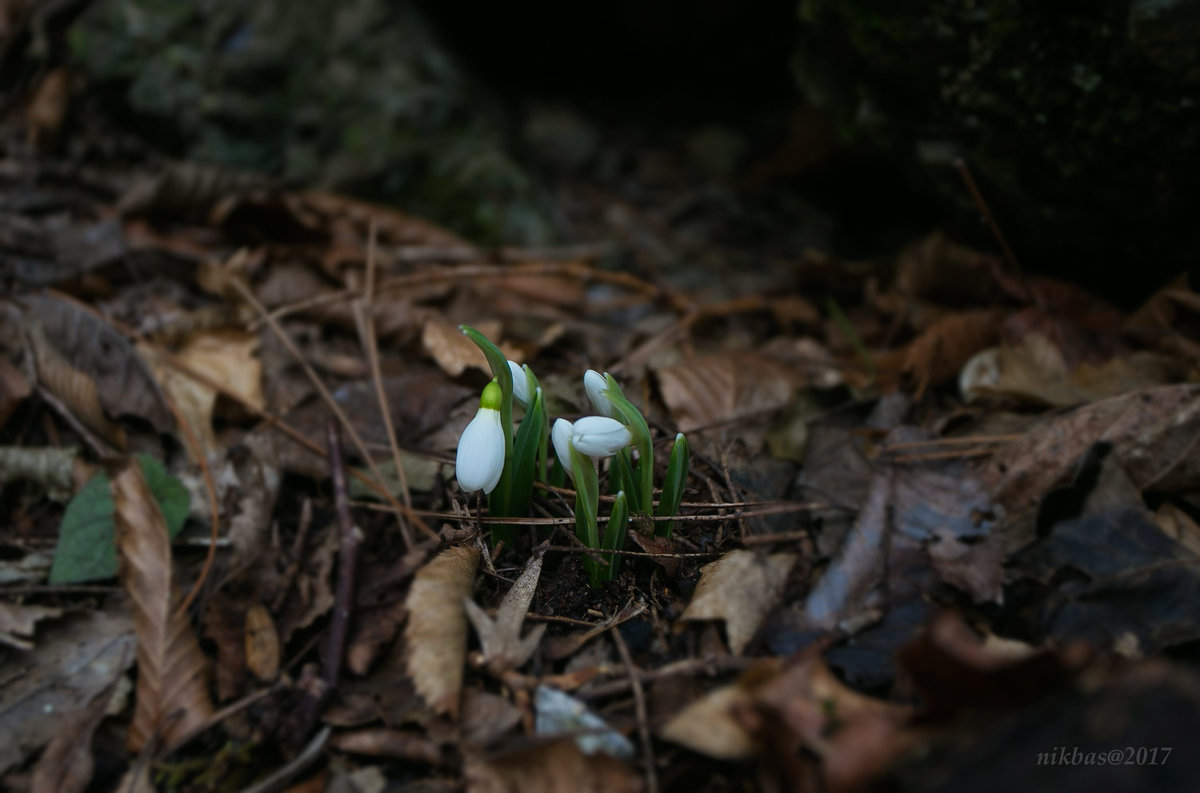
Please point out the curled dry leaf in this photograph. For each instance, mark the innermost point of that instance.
(724, 387)
(740, 588)
(503, 647)
(554, 767)
(172, 691)
(436, 632)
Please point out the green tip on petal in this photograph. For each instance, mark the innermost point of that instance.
(492, 397)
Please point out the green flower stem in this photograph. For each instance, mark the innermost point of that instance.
(587, 502)
(614, 535)
(673, 485)
(528, 441)
(632, 418)
(500, 499)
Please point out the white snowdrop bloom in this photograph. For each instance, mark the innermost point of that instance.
(520, 384)
(595, 384)
(600, 436)
(560, 435)
(480, 458)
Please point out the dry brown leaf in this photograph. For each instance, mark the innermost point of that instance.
(1154, 434)
(939, 353)
(1179, 526)
(503, 647)
(740, 588)
(227, 357)
(394, 227)
(123, 382)
(486, 717)
(262, 643)
(17, 622)
(73, 389)
(857, 737)
(708, 726)
(1035, 371)
(46, 111)
(75, 659)
(374, 630)
(172, 690)
(408, 745)
(553, 767)
(724, 387)
(454, 352)
(437, 626)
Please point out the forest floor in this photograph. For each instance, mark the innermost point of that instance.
(939, 530)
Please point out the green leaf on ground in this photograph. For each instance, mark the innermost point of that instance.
(86, 548)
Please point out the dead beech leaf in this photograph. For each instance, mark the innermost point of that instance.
(486, 717)
(262, 643)
(414, 747)
(74, 390)
(1153, 433)
(857, 737)
(710, 725)
(75, 658)
(740, 588)
(553, 767)
(227, 357)
(936, 356)
(17, 622)
(172, 690)
(1034, 371)
(723, 387)
(503, 647)
(48, 108)
(436, 632)
(123, 382)
(454, 352)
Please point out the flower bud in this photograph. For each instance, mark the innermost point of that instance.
(480, 458)
(560, 435)
(600, 436)
(595, 385)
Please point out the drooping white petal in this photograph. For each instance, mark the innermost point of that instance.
(560, 435)
(520, 384)
(480, 458)
(600, 436)
(594, 384)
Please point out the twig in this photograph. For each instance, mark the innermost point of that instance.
(401, 511)
(282, 775)
(364, 313)
(639, 707)
(351, 537)
(993, 226)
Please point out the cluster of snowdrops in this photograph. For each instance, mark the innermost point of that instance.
(505, 464)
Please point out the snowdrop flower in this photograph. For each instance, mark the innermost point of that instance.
(599, 436)
(560, 435)
(480, 458)
(520, 384)
(595, 384)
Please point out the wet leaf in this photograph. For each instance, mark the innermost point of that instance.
(436, 632)
(172, 689)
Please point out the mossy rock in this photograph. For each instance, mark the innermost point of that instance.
(358, 96)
